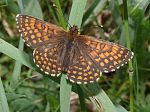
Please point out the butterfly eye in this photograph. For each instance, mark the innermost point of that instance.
(74, 29)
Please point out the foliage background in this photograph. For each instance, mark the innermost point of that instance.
(27, 90)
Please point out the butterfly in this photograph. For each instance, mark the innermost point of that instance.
(83, 58)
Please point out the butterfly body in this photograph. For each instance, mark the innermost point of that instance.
(68, 55)
(83, 58)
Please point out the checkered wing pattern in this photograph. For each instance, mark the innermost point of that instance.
(46, 39)
(36, 32)
(81, 69)
(106, 55)
(47, 58)
(82, 57)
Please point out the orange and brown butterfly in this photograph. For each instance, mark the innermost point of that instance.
(83, 58)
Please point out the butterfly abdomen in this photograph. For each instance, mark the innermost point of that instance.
(68, 51)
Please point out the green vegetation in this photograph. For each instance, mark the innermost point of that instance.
(24, 88)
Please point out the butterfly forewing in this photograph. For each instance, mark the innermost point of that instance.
(47, 41)
(106, 55)
(36, 32)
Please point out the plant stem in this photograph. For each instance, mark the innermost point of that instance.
(60, 14)
(81, 99)
(52, 12)
(126, 27)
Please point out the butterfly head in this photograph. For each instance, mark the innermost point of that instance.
(74, 30)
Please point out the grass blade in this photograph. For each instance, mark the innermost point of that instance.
(17, 67)
(60, 14)
(76, 14)
(52, 13)
(113, 6)
(32, 7)
(16, 54)
(94, 10)
(126, 27)
(99, 98)
(81, 99)
(119, 108)
(3, 100)
(65, 90)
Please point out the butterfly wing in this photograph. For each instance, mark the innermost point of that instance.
(36, 32)
(106, 55)
(48, 58)
(46, 39)
(81, 69)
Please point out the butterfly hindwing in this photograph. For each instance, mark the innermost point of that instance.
(36, 32)
(82, 70)
(47, 58)
(106, 55)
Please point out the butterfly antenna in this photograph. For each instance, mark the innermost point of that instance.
(95, 26)
(69, 25)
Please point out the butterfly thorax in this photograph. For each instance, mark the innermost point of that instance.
(73, 31)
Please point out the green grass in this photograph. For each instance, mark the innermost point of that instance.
(23, 89)
(3, 100)
(17, 67)
(126, 27)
